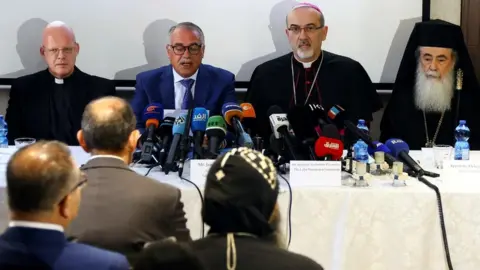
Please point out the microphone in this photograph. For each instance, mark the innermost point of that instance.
(233, 114)
(329, 145)
(199, 125)
(280, 127)
(165, 132)
(185, 142)
(318, 115)
(152, 115)
(177, 130)
(216, 131)
(299, 119)
(249, 117)
(400, 150)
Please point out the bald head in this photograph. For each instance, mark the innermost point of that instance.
(39, 176)
(59, 49)
(308, 10)
(107, 124)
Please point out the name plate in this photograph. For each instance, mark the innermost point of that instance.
(316, 173)
(199, 169)
(462, 170)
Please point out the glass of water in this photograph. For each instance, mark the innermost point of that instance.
(21, 142)
(440, 154)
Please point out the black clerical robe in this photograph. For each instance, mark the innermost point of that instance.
(341, 81)
(403, 120)
(42, 107)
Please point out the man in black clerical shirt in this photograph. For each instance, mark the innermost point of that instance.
(434, 89)
(310, 75)
(49, 104)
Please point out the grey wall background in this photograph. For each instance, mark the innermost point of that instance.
(449, 10)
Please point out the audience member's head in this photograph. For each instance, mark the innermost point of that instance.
(44, 183)
(241, 195)
(186, 48)
(167, 255)
(108, 127)
(59, 49)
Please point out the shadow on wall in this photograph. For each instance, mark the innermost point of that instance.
(154, 42)
(277, 27)
(29, 40)
(397, 48)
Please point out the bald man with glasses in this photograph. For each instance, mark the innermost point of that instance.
(44, 192)
(186, 82)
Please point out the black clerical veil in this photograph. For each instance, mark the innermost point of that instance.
(402, 119)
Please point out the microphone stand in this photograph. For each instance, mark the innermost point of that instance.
(184, 142)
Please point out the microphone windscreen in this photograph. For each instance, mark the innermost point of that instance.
(230, 110)
(153, 114)
(179, 124)
(329, 147)
(248, 111)
(216, 125)
(199, 119)
(299, 119)
(396, 146)
(331, 131)
(380, 147)
(166, 126)
(274, 110)
(337, 115)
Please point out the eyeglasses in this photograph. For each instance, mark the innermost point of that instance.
(308, 29)
(56, 51)
(179, 49)
(83, 181)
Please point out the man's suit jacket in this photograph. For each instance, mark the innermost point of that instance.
(213, 87)
(29, 103)
(32, 248)
(121, 209)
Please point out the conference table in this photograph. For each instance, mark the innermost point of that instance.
(352, 228)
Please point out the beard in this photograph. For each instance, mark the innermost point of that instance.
(431, 93)
(304, 54)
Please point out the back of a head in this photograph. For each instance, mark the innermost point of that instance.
(241, 193)
(168, 255)
(39, 176)
(107, 124)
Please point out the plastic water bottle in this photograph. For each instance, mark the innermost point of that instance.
(360, 148)
(3, 133)
(462, 147)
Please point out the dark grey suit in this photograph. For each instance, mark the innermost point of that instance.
(121, 209)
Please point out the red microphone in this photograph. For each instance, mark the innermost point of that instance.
(329, 148)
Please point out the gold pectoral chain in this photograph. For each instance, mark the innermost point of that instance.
(432, 142)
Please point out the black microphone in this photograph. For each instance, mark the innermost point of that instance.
(177, 130)
(216, 131)
(153, 115)
(199, 125)
(280, 127)
(185, 142)
(165, 132)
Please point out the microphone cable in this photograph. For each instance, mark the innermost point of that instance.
(442, 220)
(289, 211)
(201, 199)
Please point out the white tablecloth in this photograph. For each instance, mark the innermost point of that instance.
(379, 227)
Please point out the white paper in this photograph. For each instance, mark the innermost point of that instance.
(199, 169)
(316, 173)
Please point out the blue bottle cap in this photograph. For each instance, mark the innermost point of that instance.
(463, 122)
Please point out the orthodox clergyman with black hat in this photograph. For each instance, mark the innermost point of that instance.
(241, 209)
(435, 88)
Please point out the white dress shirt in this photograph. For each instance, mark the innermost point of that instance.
(36, 225)
(180, 89)
(105, 156)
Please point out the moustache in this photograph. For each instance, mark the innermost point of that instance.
(185, 61)
(303, 42)
(432, 74)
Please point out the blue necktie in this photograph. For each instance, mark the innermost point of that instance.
(187, 102)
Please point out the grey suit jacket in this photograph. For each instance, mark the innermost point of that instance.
(121, 210)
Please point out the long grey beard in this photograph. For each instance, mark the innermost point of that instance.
(433, 95)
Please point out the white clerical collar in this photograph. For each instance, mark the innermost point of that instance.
(105, 156)
(36, 225)
(58, 81)
(178, 78)
(307, 64)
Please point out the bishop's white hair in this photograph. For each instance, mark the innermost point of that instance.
(431, 94)
(60, 24)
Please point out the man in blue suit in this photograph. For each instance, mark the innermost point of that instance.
(186, 82)
(43, 186)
